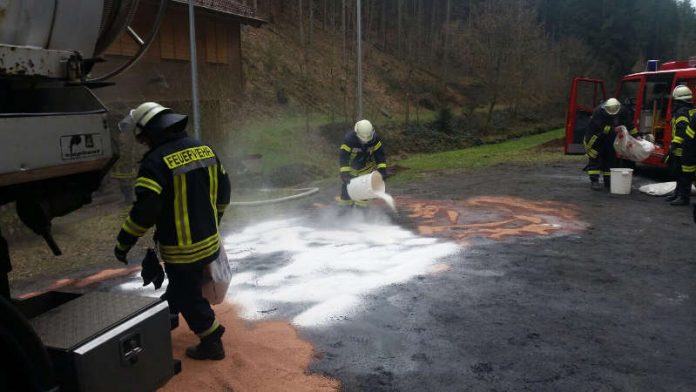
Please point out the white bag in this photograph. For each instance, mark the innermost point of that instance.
(217, 277)
(662, 188)
(659, 189)
(628, 147)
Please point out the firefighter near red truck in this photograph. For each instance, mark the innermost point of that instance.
(599, 140)
(681, 153)
(646, 95)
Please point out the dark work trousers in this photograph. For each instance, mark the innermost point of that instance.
(688, 169)
(5, 268)
(185, 296)
(684, 182)
(344, 192)
(674, 166)
(345, 199)
(606, 159)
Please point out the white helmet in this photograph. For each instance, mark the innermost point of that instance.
(681, 93)
(364, 131)
(144, 113)
(612, 106)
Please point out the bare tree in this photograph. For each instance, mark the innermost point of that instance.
(301, 22)
(367, 11)
(343, 28)
(383, 25)
(432, 34)
(399, 35)
(503, 48)
(344, 79)
(419, 23)
(311, 21)
(445, 51)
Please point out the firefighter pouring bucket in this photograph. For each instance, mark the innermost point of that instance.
(368, 186)
(621, 181)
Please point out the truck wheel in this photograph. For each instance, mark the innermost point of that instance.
(27, 366)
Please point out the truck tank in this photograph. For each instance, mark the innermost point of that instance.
(56, 145)
(55, 148)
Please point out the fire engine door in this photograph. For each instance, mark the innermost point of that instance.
(585, 95)
(657, 95)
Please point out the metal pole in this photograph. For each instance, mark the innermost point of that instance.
(359, 55)
(194, 72)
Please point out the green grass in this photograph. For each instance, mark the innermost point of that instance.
(285, 141)
(517, 151)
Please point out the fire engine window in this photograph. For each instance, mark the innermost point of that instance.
(655, 105)
(628, 93)
(589, 95)
(657, 95)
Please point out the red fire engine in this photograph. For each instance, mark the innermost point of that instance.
(647, 94)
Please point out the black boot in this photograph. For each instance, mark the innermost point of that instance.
(173, 321)
(683, 191)
(607, 182)
(210, 347)
(595, 186)
(672, 196)
(681, 200)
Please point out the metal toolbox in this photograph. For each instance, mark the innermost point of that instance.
(106, 341)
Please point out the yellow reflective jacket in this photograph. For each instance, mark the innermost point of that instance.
(182, 189)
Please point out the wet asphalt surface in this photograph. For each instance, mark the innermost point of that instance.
(607, 309)
(611, 308)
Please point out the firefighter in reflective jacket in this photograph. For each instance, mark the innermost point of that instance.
(182, 189)
(361, 153)
(599, 140)
(681, 167)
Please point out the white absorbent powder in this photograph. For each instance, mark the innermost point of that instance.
(387, 199)
(316, 275)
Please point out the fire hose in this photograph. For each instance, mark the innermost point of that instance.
(303, 192)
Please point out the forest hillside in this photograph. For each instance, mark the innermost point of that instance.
(472, 58)
(438, 74)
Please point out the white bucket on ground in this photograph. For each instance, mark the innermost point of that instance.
(621, 181)
(369, 186)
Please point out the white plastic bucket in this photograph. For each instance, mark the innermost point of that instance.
(367, 186)
(621, 181)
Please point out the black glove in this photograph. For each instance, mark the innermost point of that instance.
(346, 177)
(121, 254)
(152, 270)
(667, 157)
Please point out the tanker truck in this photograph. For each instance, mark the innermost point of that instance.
(56, 148)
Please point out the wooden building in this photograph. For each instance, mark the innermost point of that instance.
(164, 74)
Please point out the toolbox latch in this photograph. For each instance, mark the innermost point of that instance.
(131, 347)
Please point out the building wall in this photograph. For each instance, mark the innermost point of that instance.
(164, 73)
